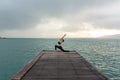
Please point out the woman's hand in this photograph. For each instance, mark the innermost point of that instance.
(64, 34)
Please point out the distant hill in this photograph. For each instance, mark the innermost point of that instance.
(2, 37)
(112, 36)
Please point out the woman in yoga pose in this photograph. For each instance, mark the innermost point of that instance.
(61, 40)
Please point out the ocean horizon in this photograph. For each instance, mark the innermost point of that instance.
(103, 53)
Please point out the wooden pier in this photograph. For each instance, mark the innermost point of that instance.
(57, 65)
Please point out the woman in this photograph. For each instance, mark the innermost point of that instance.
(61, 40)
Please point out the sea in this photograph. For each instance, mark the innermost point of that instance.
(104, 54)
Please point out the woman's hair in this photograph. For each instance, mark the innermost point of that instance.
(59, 42)
(63, 40)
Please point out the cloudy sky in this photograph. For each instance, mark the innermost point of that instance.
(53, 18)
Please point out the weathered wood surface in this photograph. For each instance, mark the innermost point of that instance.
(57, 65)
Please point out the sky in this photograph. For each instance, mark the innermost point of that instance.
(53, 18)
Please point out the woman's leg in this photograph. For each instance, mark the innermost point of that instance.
(61, 48)
(56, 47)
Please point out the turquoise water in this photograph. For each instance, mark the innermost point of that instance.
(102, 53)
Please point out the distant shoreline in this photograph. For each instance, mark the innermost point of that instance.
(2, 37)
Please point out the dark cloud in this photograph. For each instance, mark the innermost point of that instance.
(21, 14)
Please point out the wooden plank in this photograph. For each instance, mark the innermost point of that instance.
(57, 65)
(26, 68)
